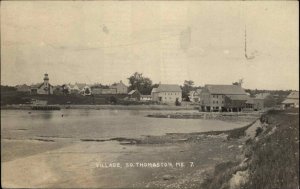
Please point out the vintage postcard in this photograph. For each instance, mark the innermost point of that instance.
(150, 94)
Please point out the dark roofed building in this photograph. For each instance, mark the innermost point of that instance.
(225, 89)
(259, 101)
(134, 95)
(223, 98)
(23, 88)
(120, 87)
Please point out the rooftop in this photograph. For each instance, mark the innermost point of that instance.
(291, 101)
(293, 95)
(168, 88)
(132, 91)
(226, 89)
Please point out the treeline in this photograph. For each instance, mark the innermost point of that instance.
(137, 81)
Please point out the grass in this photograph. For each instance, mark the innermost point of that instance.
(273, 158)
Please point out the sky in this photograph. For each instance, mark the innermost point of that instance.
(169, 42)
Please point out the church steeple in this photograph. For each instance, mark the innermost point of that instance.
(46, 79)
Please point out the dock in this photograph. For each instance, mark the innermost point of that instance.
(46, 107)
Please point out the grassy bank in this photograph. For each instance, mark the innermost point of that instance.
(270, 160)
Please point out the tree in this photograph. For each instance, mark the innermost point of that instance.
(99, 85)
(154, 86)
(138, 82)
(65, 89)
(186, 88)
(113, 100)
(87, 91)
(239, 83)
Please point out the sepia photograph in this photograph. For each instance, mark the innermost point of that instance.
(150, 94)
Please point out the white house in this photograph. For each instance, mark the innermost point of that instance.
(167, 93)
(74, 89)
(146, 97)
(194, 96)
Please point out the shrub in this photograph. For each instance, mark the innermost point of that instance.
(258, 131)
(177, 103)
(113, 100)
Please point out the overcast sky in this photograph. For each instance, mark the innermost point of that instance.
(169, 42)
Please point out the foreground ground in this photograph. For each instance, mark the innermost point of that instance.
(241, 158)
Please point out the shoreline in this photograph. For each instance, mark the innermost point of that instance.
(107, 107)
(204, 149)
(175, 115)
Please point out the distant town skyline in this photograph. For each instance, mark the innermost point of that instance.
(169, 42)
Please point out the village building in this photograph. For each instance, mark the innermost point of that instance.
(223, 98)
(194, 96)
(44, 88)
(134, 95)
(260, 100)
(73, 89)
(249, 104)
(78, 88)
(146, 97)
(292, 100)
(154, 94)
(100, 91)
(167, 93)
(23, 88)
(120, 87)
(58, 90)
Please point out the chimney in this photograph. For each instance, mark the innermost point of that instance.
(240, 82)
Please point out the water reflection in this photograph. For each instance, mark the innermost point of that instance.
(85, 112)
(104, 123)
(47, 115)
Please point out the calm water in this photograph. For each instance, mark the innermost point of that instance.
(98, 124)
